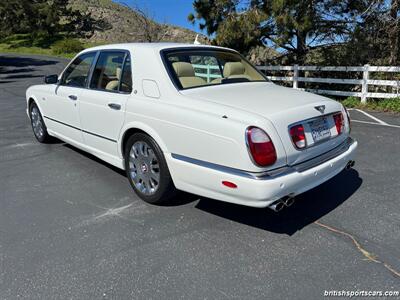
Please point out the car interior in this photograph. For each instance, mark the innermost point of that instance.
(200, 69)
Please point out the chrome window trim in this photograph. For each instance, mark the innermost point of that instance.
(126, 54)
(270, 174)
(97, 54)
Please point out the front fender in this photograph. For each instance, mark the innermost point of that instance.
(30, 95)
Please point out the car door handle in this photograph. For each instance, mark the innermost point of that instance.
(73, 97)
(114, 106)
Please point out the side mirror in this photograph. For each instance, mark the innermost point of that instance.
(51, 79)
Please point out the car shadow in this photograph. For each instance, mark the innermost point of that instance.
(94, 158)
(308, 207)
(181, 198)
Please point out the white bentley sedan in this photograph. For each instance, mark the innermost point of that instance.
(195, 118)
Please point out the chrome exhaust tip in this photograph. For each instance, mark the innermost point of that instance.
(350, 164)
(277, 206)
(288, 201)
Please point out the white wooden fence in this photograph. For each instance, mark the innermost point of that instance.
(206, 71)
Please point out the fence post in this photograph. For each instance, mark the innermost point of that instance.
(364, 88)
(208, 73)
(295, 76)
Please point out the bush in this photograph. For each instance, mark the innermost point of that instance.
(67, 46)
(351, 102)
(43, 39)
(392, 104)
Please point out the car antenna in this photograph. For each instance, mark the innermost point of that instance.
(196, 42)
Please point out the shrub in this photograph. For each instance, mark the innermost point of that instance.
(392, 104)
(67, 46)
(351, 102)
(43, 39)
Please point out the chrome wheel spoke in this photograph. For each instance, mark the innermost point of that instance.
(37, 123)
(144, 168)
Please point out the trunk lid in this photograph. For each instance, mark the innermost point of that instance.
(283, 107)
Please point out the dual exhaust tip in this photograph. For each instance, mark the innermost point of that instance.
(282, 203)
(350, 164)
(289, 199)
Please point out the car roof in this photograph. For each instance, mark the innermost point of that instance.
(152, 46)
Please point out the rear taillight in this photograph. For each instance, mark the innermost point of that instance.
(260, 146)
(298, 136)
(339, 122)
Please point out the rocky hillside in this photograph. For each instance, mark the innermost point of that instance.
(118, 23)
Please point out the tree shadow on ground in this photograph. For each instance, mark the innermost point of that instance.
(22, 76)
(14, 71)
(21, 62)
(308, 207)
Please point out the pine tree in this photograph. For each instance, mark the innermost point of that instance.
(296, 26)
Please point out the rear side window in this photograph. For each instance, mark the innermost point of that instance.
(108, 71)
(76, 75)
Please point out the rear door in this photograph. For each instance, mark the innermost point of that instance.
(102, 106)
(62, 113)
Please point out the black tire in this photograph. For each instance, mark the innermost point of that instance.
(137, 168)
(38, 126)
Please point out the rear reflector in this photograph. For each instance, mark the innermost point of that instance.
(260, 146)
(229, 184)
(339, 122)
(298, 136)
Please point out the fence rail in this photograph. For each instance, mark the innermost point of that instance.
(364, 81)
(210, 72)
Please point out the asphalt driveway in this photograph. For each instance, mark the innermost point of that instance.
(71, 227)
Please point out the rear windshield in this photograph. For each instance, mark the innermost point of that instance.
(197, 68)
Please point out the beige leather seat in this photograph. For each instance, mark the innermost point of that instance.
(185, 73)
(113, 84)
(235, 70)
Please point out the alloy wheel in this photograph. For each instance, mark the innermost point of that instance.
(37, 122)
(144, 168)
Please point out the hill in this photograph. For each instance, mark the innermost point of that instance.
(118, 23)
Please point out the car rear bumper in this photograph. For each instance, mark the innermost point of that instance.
(258, 189)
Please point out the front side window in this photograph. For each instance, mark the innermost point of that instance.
(76, 75)
(108, 71)
(196, 68)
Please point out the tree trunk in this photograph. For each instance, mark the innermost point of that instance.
(301, 48)
(394, 33)
(301, 51)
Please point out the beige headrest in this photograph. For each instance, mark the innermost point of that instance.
(233, 68)
(118, 73)
(183, 69)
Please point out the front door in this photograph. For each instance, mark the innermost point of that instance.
(102, 106)
(62, 115)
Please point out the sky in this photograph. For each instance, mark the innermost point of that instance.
(173, 12)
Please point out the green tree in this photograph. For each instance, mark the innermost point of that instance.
(296, 26)
(43, 17)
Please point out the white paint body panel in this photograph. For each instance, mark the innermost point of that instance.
(190, 123)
